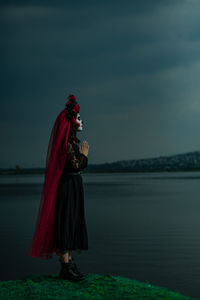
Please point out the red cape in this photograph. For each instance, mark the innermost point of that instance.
(43, 240)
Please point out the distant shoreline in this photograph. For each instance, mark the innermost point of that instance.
(42, 171)
(174, 163)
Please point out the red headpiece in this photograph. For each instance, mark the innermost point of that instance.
(43, 240)
(72, 97)
(72, 108)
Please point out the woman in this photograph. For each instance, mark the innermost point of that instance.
(61, 225)
(70, 225)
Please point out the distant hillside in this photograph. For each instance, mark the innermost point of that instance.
(180, 162)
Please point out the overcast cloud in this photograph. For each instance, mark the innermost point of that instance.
(133, 65)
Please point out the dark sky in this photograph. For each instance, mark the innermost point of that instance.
(133, 65)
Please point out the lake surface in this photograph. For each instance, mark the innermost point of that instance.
(144, 226)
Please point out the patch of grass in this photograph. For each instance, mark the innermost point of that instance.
(106, 287)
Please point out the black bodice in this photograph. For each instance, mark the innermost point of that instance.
(75, 161)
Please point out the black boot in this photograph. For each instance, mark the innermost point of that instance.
(68, 273)
(74, 266)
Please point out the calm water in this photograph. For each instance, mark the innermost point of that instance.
(144, 226)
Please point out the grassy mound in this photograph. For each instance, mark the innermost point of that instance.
(93, 287)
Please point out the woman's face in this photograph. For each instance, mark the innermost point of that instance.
(80, 122)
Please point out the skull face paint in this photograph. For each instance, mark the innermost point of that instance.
(80, 122)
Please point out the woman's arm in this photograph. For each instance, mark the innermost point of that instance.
(78, 160)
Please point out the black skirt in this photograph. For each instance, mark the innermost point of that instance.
(70, 225)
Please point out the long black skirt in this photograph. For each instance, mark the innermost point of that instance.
(70, 225)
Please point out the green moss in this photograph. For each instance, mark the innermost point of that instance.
(93, 287)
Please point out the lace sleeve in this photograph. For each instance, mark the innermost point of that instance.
(77, 159)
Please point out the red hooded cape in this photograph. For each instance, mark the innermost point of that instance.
(43, 240)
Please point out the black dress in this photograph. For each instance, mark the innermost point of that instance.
(70, 225)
